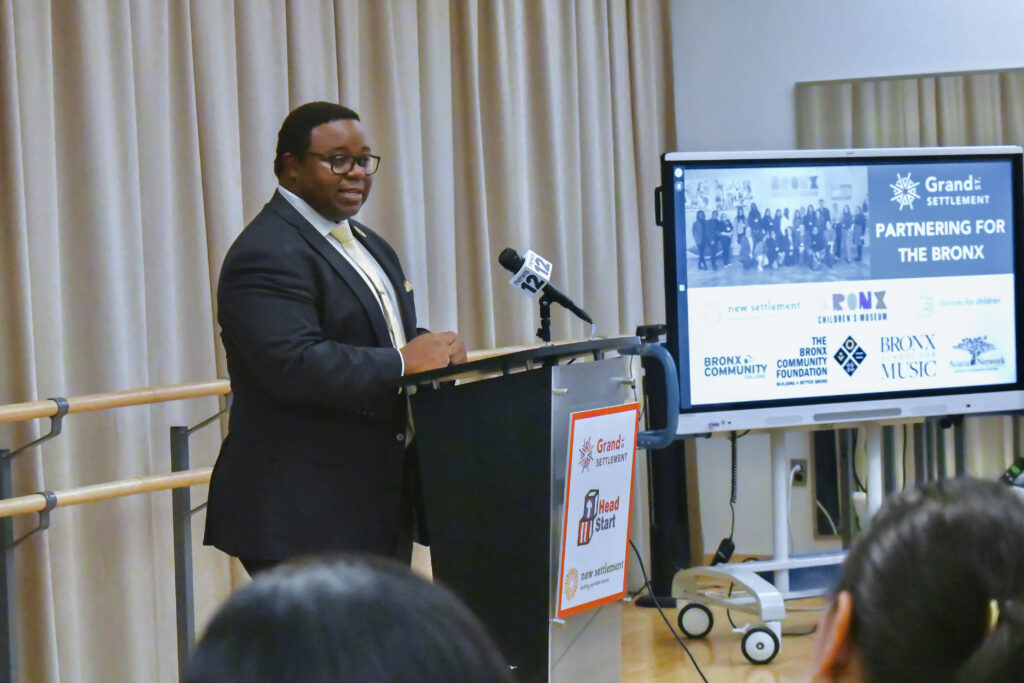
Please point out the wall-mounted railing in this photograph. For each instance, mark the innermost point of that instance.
(42, 503)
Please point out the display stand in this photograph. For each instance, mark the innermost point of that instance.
(753, 594)
(493, 456)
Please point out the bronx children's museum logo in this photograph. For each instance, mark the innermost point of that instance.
(976, 347)
(853, 307)
(850, 356)
(598, 515)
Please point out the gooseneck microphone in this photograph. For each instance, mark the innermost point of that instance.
(531, 276)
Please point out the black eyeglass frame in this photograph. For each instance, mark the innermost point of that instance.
(343, 163)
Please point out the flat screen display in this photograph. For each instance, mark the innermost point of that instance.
(842, 285)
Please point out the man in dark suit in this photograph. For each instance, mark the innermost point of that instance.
(315, 323)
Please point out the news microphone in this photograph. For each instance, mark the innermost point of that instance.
(531, 275)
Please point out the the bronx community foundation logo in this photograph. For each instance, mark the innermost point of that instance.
(850, 356)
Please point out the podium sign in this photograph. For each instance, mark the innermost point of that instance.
(595, 525)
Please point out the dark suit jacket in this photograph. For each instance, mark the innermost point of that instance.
(313, 461)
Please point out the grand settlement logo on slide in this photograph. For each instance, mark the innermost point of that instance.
(904, 191)
(850, 355)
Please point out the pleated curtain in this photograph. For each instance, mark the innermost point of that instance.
(137, 139)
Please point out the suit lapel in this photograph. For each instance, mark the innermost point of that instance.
(389, 264)
(341, 266)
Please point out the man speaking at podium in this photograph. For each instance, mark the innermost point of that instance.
(318, 323)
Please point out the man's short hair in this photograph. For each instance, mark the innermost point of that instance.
(294, 136)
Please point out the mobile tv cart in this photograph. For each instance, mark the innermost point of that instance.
(753, 594)
(492, 438)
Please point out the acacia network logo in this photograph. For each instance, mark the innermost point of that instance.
(904, 191)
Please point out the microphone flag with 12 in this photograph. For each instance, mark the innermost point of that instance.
(533, 272)
(532, 275)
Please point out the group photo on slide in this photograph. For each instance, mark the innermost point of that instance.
(776, 225)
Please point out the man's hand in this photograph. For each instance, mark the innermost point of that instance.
(456, 348)
(431, 351)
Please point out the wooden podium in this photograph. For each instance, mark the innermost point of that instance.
(493, 456)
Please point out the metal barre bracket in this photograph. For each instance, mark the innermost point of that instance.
(44, 516)
(56, 422)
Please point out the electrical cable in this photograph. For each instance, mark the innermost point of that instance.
(662, 612)
(831, 523)
(904, 486)
(789, 505)
(853, 461)
(733, 482)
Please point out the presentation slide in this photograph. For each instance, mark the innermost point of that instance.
(804, 281)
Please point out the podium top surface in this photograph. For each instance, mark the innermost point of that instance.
(549, 354)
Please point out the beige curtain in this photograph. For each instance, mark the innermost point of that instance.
(978, 108)
(136, 140)
(930, 110)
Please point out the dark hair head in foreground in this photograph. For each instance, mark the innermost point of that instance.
(344, 619)
(933, 591)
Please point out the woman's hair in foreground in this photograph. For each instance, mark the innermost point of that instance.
(938, 585)
(344, 619)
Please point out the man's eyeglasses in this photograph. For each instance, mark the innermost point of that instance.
(343, 163)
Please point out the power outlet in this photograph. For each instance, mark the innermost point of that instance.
(801, 475)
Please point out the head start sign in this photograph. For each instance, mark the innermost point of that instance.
(595, 529)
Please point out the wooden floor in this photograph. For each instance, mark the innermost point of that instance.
(651, 653)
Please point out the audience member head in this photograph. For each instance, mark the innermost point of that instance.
(344, 619)
(933, 591)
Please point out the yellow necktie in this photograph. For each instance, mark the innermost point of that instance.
(343, 233)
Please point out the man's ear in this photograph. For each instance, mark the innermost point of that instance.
(289, 166)
(836, 656)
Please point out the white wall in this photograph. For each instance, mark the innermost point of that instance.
(736, 63)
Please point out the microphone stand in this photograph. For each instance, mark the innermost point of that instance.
(545, 320)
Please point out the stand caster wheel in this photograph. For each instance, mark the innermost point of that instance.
(695, 620)
(760, 645)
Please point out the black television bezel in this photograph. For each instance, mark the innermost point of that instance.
(834, 157)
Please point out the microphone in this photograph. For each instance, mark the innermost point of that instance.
(531, 275)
